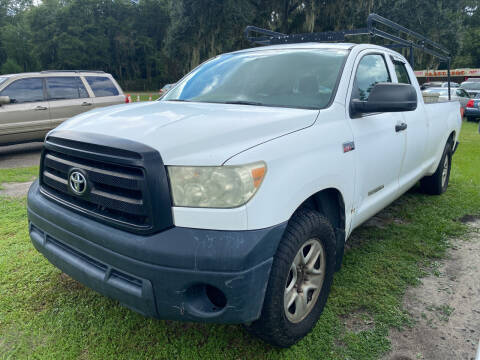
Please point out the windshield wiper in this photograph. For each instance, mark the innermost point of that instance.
(177, 100)
(244, 102)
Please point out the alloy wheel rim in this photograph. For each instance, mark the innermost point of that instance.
(304, 281)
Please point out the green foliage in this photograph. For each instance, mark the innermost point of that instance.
(18, 175)
(157, 41)
(10, 67)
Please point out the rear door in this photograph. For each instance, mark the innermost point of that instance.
(416, 132)
(106, 91)
(379, 148)
(27, 117)
(67, 97)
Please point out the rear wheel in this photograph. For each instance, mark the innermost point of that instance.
(300, 280)
(437, 183)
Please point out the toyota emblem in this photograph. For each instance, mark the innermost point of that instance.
(77, 182)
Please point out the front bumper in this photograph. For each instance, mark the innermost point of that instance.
(168, 275)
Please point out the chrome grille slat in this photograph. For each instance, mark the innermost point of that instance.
(100, 175)
(55, 178)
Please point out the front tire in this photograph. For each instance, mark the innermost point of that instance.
(437, 183)
(300, 280)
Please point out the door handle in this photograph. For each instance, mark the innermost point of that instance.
(401, 127)
(40, 108)
(86, 104)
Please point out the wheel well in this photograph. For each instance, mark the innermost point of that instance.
(329, 203)
(451, 138)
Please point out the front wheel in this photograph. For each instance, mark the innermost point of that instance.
(437, 183)
(300, 280)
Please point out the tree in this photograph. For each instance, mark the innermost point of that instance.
(10, 67)
(158, 41)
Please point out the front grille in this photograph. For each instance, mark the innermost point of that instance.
(118, 190)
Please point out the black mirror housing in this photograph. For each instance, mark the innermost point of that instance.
(387, 97)
(4, 100)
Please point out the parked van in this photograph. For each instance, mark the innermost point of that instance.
(31, 104)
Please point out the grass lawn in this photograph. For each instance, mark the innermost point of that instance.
(144, 95)
(46, 315)
(17, 175)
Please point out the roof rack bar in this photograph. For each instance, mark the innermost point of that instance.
(260, 40)
(379, 19)
(269, 37)
(260, 36)
(74, 71)
(408, 43)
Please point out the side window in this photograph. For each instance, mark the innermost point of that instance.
(24, 90)
(401, 71)
(102, 86)
(70, 87)
(371, 70)
(462, 93)
(82, 90)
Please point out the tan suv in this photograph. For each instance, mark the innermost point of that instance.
(31, 104)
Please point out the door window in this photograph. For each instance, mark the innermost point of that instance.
(462, 93)
(102, 86)
(61, 88)
(24, 90)
(401, 71)
(371, 70)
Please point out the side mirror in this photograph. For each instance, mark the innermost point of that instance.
(387, 97)
(4, 100)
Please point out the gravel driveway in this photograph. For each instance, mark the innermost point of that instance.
(446, 307)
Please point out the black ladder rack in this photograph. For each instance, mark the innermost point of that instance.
(259, 36)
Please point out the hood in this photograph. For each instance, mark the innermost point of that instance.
(193, 133)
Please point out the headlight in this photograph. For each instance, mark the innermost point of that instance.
(215, 186)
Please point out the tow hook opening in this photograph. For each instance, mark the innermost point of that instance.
(206, 299)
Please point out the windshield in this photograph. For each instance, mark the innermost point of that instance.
(303, 78)
(2, 79)
(471, 86)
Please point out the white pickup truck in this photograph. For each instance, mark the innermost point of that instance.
(231, 199)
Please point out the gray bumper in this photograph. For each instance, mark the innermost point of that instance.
(165, 275)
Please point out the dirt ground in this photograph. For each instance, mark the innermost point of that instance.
(446, 307)
(15, 189)
(25, 154)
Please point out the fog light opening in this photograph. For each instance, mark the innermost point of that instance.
(205, 300)
(216, 297)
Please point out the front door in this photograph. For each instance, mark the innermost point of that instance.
(27, 117)
(379, 146)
